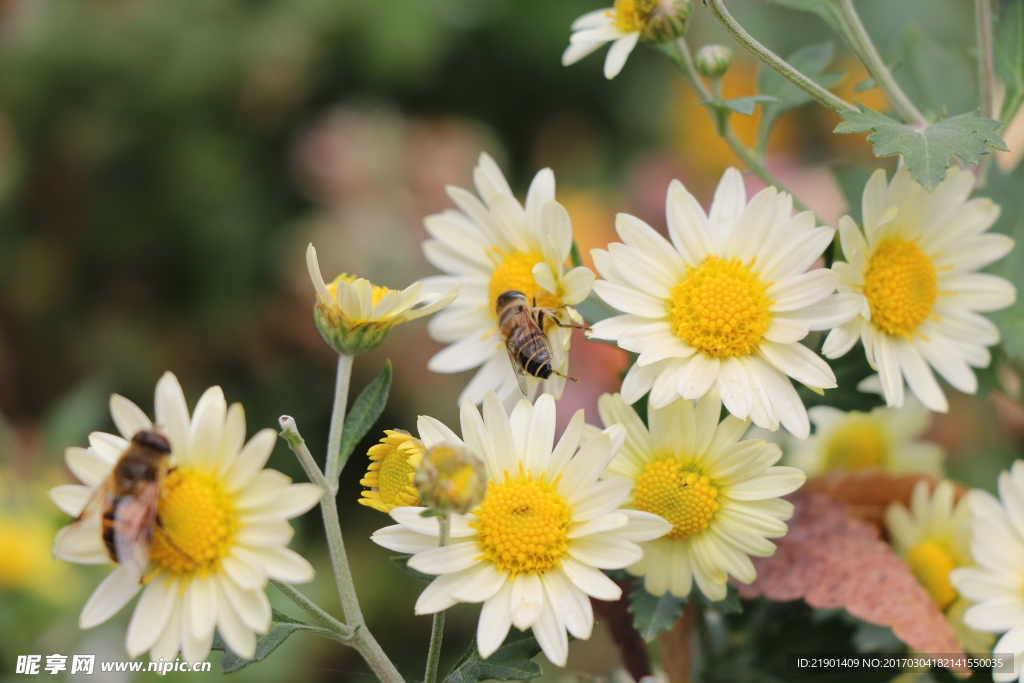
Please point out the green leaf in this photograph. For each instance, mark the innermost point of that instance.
(740, 105)
(281, 626)
(403, 563)
(1008, 40)
(365, 411)
(1005, 190)
(729, 605)
(926, 152)
(865, 85)
(826, 9)
(574, 255)
(594, 310)
(511, 661)
(653, 615)
(812, 61)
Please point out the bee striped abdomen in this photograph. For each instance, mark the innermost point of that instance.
(109, 524)
(534, 356)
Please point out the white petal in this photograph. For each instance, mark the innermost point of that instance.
(110, 596)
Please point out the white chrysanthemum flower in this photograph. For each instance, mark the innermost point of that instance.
(222, 531)
(934, 537)
(490, 247)
(913, 269)
(725, 304)
(996, 583)
(720, 493)
(353, 315)
(533, 550)
(629, 21)
(885, 438)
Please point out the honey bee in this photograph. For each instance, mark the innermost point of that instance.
(124, 507)
(522, 328)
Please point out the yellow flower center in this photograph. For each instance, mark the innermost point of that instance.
(685, 498)
(390, 475)
(523, 525)
(515, 272)
(198, 523)
(931, 564)
(632, 15)
(721, 308)
(857, 445)
(378, 291)
(901, 286)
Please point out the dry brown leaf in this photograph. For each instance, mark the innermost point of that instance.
(830, 558)
(868, 493)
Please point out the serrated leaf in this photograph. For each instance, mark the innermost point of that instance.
(926, 152)
(826, 9)
(402, 561)
(740, 105)
(812, 61)
(510, 662)
(653, 615)
(729, 605)
(281, 626)
(365, 412)
(1008, 40)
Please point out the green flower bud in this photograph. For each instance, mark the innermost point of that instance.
(712, 61)
(666, 20)
(450, 479)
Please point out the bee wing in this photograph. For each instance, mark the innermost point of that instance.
(80, 540)
(518, 368)
(134, 521)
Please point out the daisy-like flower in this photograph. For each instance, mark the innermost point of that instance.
(720, 493)
(725, 304)
(353, 316)
(490, 247)
(996, 583)
(223, 528)
(885, 438)
(934, 537)
(389, 478)
(624, 25)
(913, 269)
(533, 549)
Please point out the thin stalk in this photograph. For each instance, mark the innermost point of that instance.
(333, 469)
(774, 62)
(437, 631)
(857, 36)
(313, 609)
(986, 73)
(361, 638)
(290, 433)
(683, 60)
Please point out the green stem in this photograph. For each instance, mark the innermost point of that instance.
(986, 60)
(683, 59)
(290, 433)
(334, 464)
(774, 62)
(313, 609)
(361, 638)
(857, 36)
(437, 632)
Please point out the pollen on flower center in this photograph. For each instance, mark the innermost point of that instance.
(523, 525)
(515, 272)
(901, 285)
(931, 564)
(685, 499)
(197, 523)
(632, 15)
(721, 308)
(858, 445)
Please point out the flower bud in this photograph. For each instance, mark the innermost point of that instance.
(450, 479)
(393, 464)
(712, 61)
(666, 21)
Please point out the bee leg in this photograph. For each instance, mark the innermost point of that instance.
(550, 313)
(160, 526)
(556, 372)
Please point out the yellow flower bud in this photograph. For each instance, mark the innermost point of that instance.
(393, 464)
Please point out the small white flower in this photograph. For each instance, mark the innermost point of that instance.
(996, 583)
(885, 438)
(913, 270)
(223, 528)
(353, 315)
(720, 493)
(490, 247)
(934, 537)
(533, 549)
(725, 304)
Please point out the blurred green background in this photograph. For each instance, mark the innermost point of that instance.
(163, 164)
